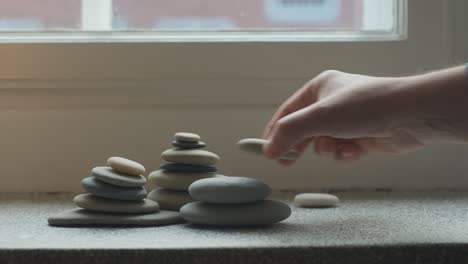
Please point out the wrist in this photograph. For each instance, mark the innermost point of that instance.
(433, 106)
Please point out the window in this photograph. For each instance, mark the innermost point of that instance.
(202, 20)
(80, 97)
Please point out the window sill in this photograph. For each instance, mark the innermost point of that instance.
(428, 227)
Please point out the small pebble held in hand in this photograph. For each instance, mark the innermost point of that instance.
(315, 200)
(255, 146)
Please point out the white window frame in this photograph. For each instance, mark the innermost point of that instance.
(97, 28)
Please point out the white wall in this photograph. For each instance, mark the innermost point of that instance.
(67, 107)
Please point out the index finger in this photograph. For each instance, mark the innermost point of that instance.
(303, 97)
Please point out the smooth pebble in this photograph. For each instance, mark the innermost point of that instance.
(315, 200)
(179, 181)
(187, 137)
(229, 190)
(95, 203)
(169, 199)
(190, 156)
(261, 213)
(108, 175)
(83, 217)
(126, 166)
(102, 189)
(255, 146)
(187, 168)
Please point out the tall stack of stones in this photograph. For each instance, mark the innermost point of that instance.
(186, 162)
(233, 201)
(115, 195)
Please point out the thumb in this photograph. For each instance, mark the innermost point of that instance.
(290, 130)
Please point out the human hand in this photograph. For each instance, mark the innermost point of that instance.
(345, 115)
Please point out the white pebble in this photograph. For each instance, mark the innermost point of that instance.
(315, 200)
(126, 166)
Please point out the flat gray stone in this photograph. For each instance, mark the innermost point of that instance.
(126, 166)
(178, 167)
(188, 145)
(261, 213)
(190, 156)
(178, 181)
(102, 189)
(315, 200)
(82, 217)
(105, 205)
(255, 146)
(229, 190)
(187, 137)
(108, 175)
(170, 200)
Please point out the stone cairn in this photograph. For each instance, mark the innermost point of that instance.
(186, 163)
(233, 201)
(115, 195)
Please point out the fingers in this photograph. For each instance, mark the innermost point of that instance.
(348, 152)
(326, 146)
(289, 131)
(300, 148)
(342, 150)
(300, 99)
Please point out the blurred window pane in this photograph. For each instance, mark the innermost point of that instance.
(199, 15)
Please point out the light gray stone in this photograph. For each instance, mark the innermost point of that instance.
(126, 166)
(261, 213)
(108, 175)
(82, 217)
(255, 146)
(178, 181)
(188, 145)
(169, 199)
(316, 200)
(102, 189)
(187, 137)
(190, 156)
(99, 204)
(229, 190)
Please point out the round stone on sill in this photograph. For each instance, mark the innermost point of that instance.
(102, 189)
(229, 190)
(315, 200)
(190, 156)
(108, 175)
(178, 167)
(254, 214)
(95, 203)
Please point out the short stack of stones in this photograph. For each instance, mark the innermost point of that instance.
(115, 195)
(186, 162)
(233, 201)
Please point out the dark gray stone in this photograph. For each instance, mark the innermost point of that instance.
(82, 217)
(229, 190)
(102, 189)
(188, 145)
(108, 175)
(187, 167)
(261, 213)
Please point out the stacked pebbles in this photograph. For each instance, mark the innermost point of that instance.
(115, 195)
(233, 201)
(186, 163)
